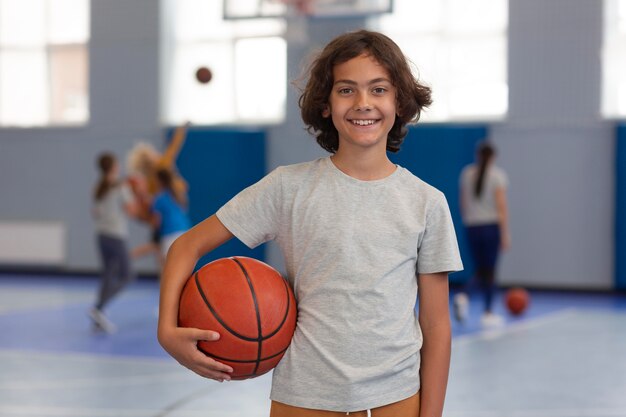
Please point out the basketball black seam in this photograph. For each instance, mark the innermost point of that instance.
(206, 352)
(258, 339)
(230, 330)
(217, 317)
(256, 310)
(280, 326)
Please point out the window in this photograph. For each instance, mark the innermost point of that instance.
(614, 59)
(43, 62)
(460, 50)
(247, 57)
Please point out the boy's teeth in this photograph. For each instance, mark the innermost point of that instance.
(363, 122)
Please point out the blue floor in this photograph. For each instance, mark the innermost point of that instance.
(57, 309)
(564, 357)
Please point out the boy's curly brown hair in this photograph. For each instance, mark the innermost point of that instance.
(411, 97)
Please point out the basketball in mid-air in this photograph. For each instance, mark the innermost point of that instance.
(249, 304)
(516, 300)
(204, 75)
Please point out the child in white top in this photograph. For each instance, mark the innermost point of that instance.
(485, 216)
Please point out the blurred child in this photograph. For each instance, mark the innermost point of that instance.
(113, 201)
(144, 161)
(169, 216)
(485, 215)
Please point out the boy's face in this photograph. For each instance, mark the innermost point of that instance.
(362, 103)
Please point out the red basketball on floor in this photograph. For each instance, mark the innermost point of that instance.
(516, 300)
(249, 304)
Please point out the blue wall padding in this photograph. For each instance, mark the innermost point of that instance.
(437, 154)
(217, 164)
(620, 209)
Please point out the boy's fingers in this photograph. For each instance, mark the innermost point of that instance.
(210, 336)
(210, 366)
(218, 366)
(205, 335)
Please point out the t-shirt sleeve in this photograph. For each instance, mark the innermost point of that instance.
(439, 250)
(253, 215)
(502, 181)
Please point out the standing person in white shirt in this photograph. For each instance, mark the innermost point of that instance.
(485, 215)
(112, 203)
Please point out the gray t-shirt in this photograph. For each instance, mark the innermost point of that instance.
(352, 249)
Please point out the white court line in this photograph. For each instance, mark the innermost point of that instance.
(55, 298)
(83, 356)
(491, 334)
(52, 411)
(9, 410)
(177, 371)
(100, 381)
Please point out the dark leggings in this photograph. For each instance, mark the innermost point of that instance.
(116, 272)
(484, 242)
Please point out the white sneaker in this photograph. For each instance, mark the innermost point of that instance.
(101, 322)
(461, 306)
(491, 320)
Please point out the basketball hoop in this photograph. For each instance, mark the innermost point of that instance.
(296, 15)
(298, 7)
(247, 9)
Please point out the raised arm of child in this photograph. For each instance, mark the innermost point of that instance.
(181, 259)
(173, 149)
(434, 319)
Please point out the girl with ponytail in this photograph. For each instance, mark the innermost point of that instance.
(112, 202)
(485, 216)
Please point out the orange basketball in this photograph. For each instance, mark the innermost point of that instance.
(249, 304)
(516, 300)
(204, 75)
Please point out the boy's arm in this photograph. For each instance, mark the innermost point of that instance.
(181, 259)
(434, 319)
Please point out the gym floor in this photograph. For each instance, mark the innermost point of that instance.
(565, 357)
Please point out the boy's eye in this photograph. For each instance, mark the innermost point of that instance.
(345, 90)
(379, 90)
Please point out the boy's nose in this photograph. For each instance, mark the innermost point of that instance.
(362, 103)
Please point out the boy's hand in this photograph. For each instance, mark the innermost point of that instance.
(181, 343)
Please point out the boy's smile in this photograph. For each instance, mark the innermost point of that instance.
(362, 103)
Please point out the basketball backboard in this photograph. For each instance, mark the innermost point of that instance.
(246, 9)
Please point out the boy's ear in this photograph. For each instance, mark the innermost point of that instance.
(326, 111)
